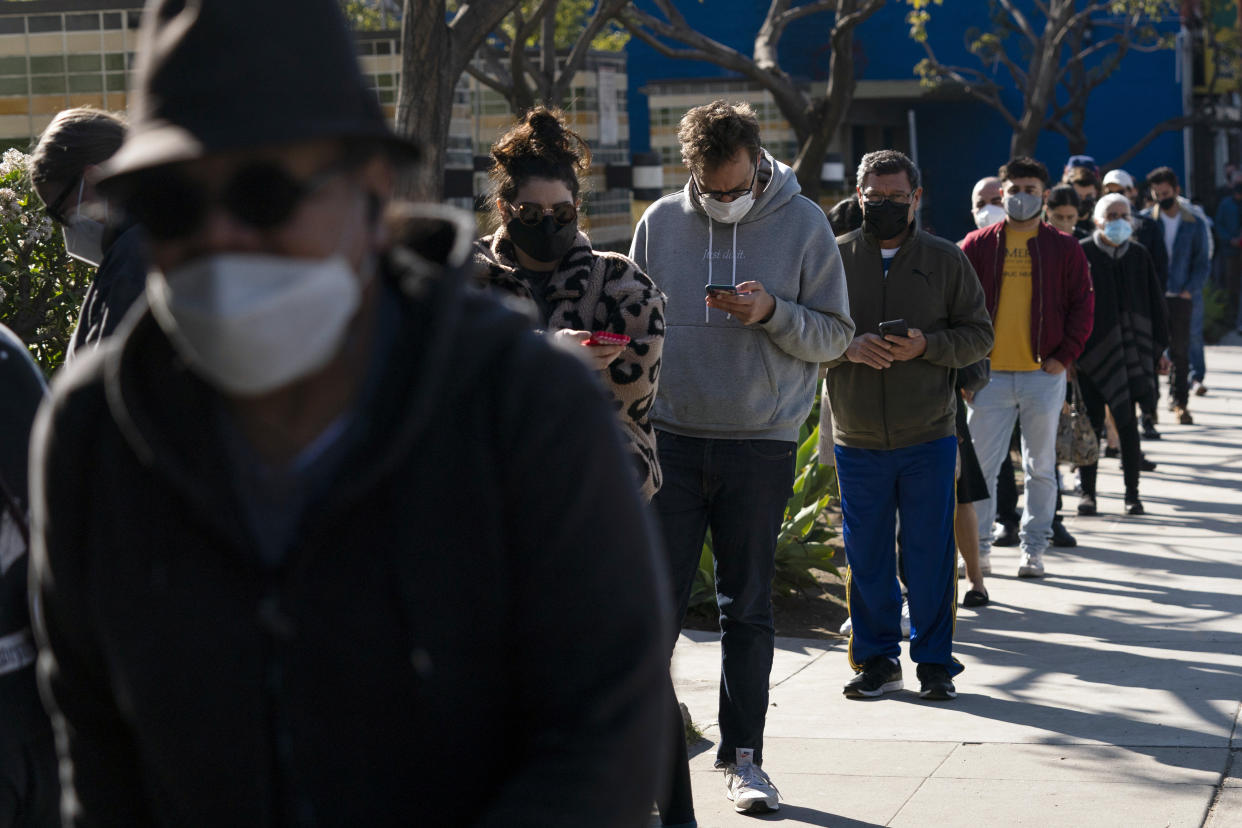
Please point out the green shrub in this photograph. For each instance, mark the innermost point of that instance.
(41, 288)
(802, 545)
(1216, 321)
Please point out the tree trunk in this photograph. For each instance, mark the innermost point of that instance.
(434, 54)
(425, 107)
(809, 164)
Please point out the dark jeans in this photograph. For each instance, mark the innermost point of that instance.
(738, 489)
(1179, 347)
(1127, 433)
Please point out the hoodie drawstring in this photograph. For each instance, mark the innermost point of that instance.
(707, 311)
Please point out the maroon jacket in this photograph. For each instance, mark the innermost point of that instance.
(1062, 299)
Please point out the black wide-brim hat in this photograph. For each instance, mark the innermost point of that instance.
(225, 75)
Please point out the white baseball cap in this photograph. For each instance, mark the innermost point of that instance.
(1119, 177)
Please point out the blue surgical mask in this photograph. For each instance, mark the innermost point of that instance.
(1118, 231)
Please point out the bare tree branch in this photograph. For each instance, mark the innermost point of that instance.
(1020, 19)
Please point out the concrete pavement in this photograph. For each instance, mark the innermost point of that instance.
(1106, 694)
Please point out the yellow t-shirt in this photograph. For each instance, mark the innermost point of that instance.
(1012, 349)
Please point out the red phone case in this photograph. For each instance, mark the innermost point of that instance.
(608, 338)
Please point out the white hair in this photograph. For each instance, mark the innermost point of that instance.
(1101, 206)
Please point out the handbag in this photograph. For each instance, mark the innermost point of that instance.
(1077, 443)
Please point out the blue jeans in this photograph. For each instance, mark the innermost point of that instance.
(739, 489)
(916, 483)
(1198, 367)
(1033, 399)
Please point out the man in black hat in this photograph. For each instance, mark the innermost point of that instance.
(298, 554)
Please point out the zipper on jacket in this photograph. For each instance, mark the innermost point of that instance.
(884, 374)
(1036, 269)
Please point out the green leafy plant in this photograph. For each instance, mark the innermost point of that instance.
(802, 545)
(1216, 321)
(41, 288)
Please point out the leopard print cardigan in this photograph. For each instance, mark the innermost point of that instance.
(594, 290)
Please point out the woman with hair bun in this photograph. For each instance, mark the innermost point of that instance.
(540, 254)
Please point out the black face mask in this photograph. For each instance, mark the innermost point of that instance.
(1167, 203)
(1085, 207)
(887, 221)
(546, 241)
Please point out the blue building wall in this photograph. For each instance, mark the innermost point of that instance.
(958, 141)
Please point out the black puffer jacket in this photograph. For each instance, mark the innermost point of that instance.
(468, 630)
(21, 391)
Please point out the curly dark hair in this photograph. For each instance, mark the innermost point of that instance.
(539, 145)
(711, 135)
(1023, 167)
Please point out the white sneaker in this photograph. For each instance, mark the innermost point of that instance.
(985, 566)
(1032, 566)
(848, 623)
(748, 787)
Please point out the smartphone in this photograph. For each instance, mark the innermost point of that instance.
(608, 338)
(894, 327)
(710, 289)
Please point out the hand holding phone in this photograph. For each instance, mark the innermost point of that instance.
(723, 288)
(608, 338)
(894, 327)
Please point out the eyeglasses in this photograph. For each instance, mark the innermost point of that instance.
(531, 213)
(56, 205)
(172, 205)
(721, 195)
(877, 199)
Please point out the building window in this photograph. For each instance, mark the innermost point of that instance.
(44, 23)
(47, 65)
(82, 22)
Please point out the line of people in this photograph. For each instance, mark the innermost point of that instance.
(323, 533)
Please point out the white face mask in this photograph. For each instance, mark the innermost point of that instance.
(989, 214)
(84, 236)
(253, 323)
(728, 213)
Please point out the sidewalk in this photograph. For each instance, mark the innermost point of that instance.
(1107, 694)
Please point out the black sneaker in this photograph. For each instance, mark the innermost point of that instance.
(1061, 535)
(1145, 464)
(1149, 428)
(1086, 505)
(879, 676)
(935, 683)
(1007, 536)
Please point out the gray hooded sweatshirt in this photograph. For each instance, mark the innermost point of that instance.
(720, 378)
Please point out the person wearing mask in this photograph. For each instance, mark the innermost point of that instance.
(1060, 211)
(1117, 365)
(738, 378)
(1229, 227)
(1038, 292)
(1185, 239)
(1086, 184)
(260, 601)
(986, 202)
(894, 407)
(1149, 234)
(539, 254)
(29, 788)
(62, 165)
